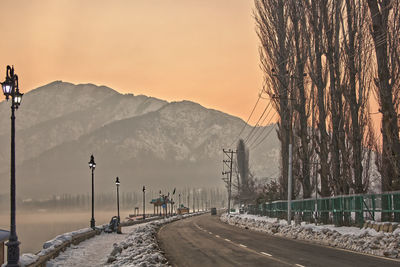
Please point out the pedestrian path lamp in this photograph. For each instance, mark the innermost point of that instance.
(144, 206)
(11, 90)
(92, 166)
(117, 183)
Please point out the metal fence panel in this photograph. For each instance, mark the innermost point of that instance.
(341, 210)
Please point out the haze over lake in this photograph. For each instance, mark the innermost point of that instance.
(35, 228)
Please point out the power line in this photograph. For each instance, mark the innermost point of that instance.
(262, 140)
(247, 121)
(258, 137)
(257, 129)
(252, 130)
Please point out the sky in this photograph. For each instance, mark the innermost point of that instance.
(205, 51)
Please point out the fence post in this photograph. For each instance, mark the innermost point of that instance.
(396, 206)
(373, 206)
(359, 211)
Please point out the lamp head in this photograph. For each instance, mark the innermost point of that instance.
(92, 164)
(7, 88)
(17, 98)
(8, 84)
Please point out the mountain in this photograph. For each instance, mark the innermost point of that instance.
(143, 140)
(61, 112)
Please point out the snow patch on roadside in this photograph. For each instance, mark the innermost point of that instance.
(140, 247)
(352, 238)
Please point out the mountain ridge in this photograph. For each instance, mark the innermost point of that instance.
(149, 140)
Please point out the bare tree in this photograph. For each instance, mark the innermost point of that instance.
(356, 84)
(318, 75)
(385, 33)
(243, 171)
(300, 47)
(271, 18)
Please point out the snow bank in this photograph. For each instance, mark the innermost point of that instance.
(52, 245)
(140, 247)
(361, 240)
(27, 259)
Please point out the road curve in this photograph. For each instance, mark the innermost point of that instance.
(206, 241)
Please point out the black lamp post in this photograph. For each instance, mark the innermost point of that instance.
(166, 205)
(117, 183)
(144, 207)
(161, 207)
(11, 89)
(92, 166)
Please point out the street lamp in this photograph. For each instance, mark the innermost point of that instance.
(117, 183)
(160, 203)
(166, 205)
(92, 166)
(11, 89)
(144, 210)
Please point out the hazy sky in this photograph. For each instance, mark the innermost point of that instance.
(200, 50)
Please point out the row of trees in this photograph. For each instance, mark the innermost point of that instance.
(194, 198)
(324, 63)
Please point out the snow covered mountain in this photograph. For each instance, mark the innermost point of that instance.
(142, 140)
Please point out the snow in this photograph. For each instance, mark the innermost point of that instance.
(140, 248)
(361, 240)
(59, 240)
(27, 258)
(48, 246)
(91, 252)
(137, 246)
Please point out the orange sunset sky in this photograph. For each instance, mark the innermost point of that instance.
(205, 51)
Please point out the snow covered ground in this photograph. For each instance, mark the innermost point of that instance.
(51, 245)
(91, 252)
(136, 246)
(352, 238)
(140, 248)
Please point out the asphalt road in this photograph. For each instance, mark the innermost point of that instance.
(206, 241)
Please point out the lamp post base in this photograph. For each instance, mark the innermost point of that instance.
(92, 223)
(12, 253)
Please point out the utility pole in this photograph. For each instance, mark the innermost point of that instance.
(289, 203)
(228, 163)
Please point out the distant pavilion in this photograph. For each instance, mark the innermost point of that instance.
(158, 204)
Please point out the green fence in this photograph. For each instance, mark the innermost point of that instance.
(340, 210)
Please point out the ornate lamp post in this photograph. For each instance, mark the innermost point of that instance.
(11, 89)
(161, 207)
(92, 166)
(144, 206)
(117, 183)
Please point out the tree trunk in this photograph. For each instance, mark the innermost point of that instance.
(390, 131)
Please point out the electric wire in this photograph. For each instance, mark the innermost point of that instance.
(257, 128)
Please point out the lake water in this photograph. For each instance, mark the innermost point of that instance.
(35, 228)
